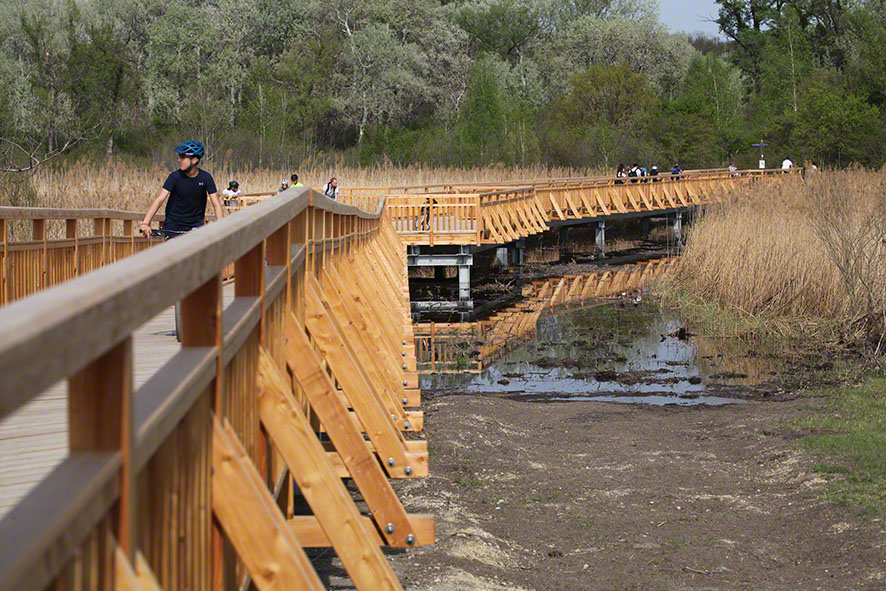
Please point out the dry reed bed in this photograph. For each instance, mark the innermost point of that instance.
(119, 185)
(791, 258)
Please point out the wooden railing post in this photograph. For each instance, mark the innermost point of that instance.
(99, 227)
(71, 234)
(39, 235)
(4, 287)
(100, 419)
(127, 232)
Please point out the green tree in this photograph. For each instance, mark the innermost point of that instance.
(601, 118)
(382, 80)
(835, 126)
(482, 125)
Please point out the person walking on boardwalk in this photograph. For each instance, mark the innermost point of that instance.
(187, 190)
(787, 164)
(232, 194)
(284, 184)
(294, 182)
(675, 171)
(330, 189)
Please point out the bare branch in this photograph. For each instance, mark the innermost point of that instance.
(33, 161)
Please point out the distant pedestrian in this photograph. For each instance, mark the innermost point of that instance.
(620, 174)
(232, 194)
(787, 164)
(653, 172)
(634, 172)
(675, 171)
(733, 169)
(284, 184)
(330, 189)
(293, 181)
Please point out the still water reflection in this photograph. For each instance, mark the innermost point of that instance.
(619, 352)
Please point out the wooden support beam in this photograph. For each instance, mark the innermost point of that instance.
(265, 543)
(330, 501)
(310, 532)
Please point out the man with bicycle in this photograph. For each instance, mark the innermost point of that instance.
(187, 189)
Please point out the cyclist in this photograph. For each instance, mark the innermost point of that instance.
(284, 184)
(233, 193)
(187, 189)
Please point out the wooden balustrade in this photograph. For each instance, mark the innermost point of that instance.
(184, 478)
(43, 247)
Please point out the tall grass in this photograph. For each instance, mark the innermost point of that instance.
(797, 257)
(118, 184)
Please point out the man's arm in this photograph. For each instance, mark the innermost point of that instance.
(145, 228)
(217, 206)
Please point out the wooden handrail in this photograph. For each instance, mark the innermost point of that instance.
(138, 289)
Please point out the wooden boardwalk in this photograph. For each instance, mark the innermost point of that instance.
(34, 439)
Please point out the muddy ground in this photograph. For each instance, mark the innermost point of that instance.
(583, 495)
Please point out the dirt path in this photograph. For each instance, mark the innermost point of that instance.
(583, 495)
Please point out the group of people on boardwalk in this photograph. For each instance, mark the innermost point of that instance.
(187, 190)
(640, 174)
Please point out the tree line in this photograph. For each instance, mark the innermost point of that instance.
(587, 83)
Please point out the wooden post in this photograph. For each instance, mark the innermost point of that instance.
(98, 228)
(127, 231)
(39, 235)
(100, 419)
(71, 234)
(201, 327)
(4, 288)
(249, 277)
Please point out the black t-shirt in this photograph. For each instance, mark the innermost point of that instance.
(186, 205)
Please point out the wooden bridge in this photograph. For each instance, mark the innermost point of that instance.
(157, 465)
(131, 461)
(499, 213)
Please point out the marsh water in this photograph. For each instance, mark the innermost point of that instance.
(621, 350)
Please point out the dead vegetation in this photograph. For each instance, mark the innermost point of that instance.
(801, 257)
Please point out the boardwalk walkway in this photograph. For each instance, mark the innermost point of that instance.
(34, 439)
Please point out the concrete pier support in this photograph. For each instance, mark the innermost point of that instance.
(517, 252)
(440, 259)
(464, 283)
(600, 239)
(512, 254)
(502, 256)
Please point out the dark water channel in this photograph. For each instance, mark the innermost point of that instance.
(621, 352)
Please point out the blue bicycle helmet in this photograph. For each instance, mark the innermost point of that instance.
(190, 148)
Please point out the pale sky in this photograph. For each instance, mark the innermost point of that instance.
(689, 15)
